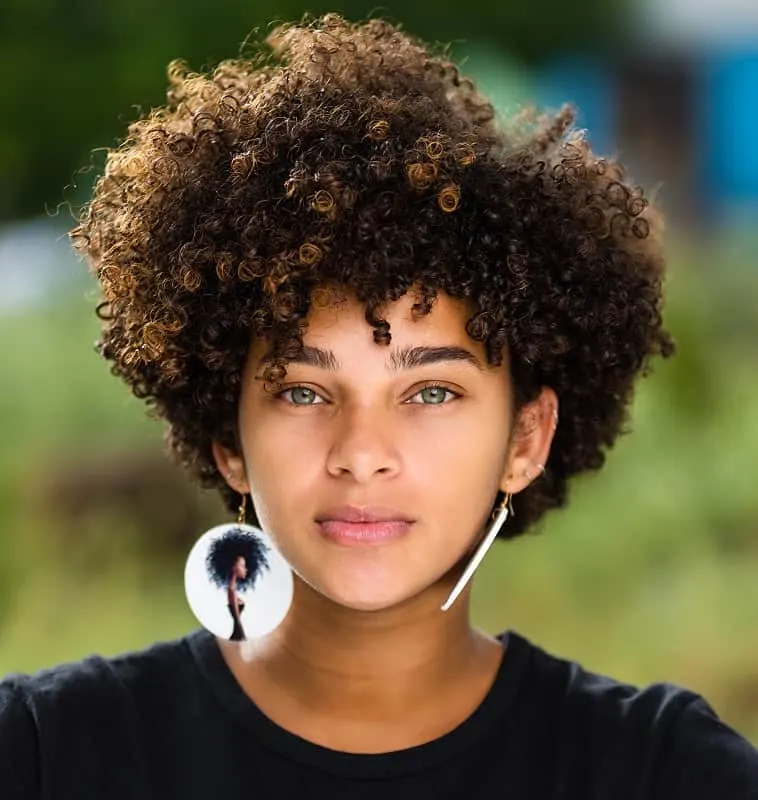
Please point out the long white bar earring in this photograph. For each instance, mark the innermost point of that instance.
(499, 515)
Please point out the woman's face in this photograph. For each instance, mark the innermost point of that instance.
(240, 568)
(358, 425)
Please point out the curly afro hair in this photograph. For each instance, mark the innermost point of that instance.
(227, 548)
(352, 155)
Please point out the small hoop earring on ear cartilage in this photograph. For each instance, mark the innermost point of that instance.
(499, 517)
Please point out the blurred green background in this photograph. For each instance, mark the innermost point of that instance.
(650, 574)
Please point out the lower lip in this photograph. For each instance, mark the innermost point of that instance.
(358, 533)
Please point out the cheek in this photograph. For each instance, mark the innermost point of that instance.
(464, 447)
(284, 464)
(457, 470)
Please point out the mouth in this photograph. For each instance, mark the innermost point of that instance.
(364, 533)
(363, 525)
(363, 514)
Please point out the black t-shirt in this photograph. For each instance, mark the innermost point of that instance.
(171, 722)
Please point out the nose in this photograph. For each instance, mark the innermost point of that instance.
(364, 444)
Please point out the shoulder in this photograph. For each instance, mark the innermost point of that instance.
(596, 701)
(94, 684)
(58, 718)
(664, 737)
(701, 756)
(19, 751)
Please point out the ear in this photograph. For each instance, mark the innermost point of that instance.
(530, 442)
(231, 465)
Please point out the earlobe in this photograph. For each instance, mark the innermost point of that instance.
(232, 467)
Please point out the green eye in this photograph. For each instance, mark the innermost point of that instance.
(434, 395)
(301, 396)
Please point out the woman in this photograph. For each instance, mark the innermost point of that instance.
(235, 603)
(234, 561)
(357, 300)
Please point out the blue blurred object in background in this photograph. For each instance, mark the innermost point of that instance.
(728, 119)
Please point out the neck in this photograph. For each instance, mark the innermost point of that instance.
(368, 665)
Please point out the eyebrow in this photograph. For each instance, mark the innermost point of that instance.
(399, 359)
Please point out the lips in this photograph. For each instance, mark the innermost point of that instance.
(364, 514)
(363, 533)
(368, 525)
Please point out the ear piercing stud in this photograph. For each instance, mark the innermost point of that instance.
(530, 475)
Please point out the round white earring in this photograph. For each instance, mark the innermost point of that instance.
(237, 583)
(499, 517)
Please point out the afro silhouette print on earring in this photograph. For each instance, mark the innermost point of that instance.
(237, 583)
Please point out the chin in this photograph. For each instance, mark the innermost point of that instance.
(367, 606)
(365, 600)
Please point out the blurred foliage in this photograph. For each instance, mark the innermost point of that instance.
(73, 69)
(648, 575)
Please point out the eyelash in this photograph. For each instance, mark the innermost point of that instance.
(430, 385)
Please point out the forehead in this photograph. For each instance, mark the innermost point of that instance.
(335, 308)
(337, 320)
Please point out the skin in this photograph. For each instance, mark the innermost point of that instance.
(365, 649)
(239, 572)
